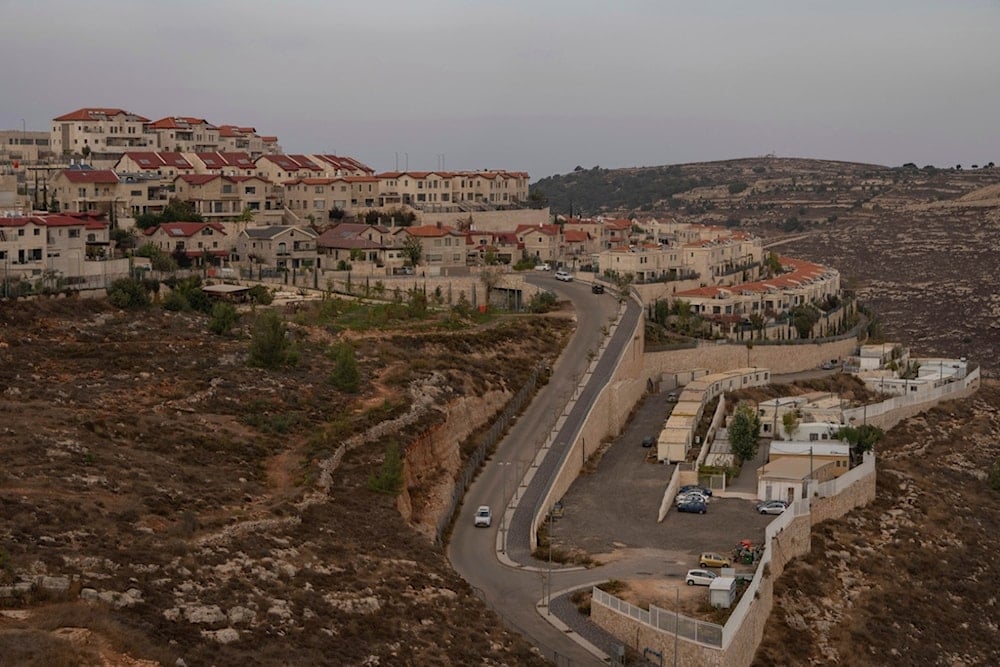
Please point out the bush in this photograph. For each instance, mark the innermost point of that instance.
(224, 318)
(129, 293)
(345, 375)
(269, 346)
(390, 477)
(738, 187)
(542, 302)
(260, 295)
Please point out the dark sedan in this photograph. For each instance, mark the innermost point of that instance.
(694, 506)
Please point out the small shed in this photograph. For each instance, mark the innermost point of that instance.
(722, 592)
(231, 293)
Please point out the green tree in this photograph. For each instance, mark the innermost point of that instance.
(743, 430)
(412, 250)
(224, 318)
(790, 421)
(269, 346)
(861, 439)
(129, 293)
(345, 376)
(804, 317)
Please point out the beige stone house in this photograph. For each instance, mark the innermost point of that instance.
(85, 190)
(281, 168)
(233, 139)
(161, 165)
(278, 246)
(335, 166)
(544, 243)
(104, 133)
(226, 197)
(222, 163)
(320, 197)
(200, 242)
(59, 243)
(441, 246)
(352, 242)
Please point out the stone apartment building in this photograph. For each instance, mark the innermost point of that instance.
(281, 168)
(318, 198)
(542, 242)
(184, 134)
(102, 133)
(24, 147)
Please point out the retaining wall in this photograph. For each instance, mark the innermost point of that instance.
(723, 357)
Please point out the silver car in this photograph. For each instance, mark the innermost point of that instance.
(699, 577)
(772, 507)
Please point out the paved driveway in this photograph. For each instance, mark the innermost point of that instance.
(616, 507)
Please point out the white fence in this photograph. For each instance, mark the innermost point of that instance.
(685, 627)
(866, 412)
(838, 484)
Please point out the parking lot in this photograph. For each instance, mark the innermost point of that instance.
(616, 506)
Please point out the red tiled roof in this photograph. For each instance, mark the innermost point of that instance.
(431, 231)
(98, 113)
(343, 162)
(576, 235)
(544, 229)
(151, 160)
(219, 160)
(291, 162)
(90, 176)
(185, 229)
(178, 123)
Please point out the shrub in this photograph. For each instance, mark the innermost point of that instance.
(390, 477)
(269, 346)
(737, 187)
(345, 375)
(129, 293)
(260, 295)
(224, 318)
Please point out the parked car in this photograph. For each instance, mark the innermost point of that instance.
(694, 506)
(648, 441)
(672, 397)
(563, 276)
(484, 516)
(772, 507)
(712, 559)
(699, 577)
(828, 365)
(597, 288)
(691, 496)
(544, 266)
(704, 490)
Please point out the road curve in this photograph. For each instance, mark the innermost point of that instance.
(514, 584)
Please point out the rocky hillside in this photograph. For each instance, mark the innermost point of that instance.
(163, 501)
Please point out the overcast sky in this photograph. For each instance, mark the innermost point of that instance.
(538, 85)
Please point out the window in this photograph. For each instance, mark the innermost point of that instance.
(38, 232)
(250, 190)
(74, 233)
(227, 189)
(20, 232)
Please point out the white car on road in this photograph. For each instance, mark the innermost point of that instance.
(484, 516)
(563, 276)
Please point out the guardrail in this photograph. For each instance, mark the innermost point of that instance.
(685, 627)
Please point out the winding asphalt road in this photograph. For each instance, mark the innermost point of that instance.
(512, 582)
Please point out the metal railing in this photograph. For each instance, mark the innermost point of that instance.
(685, 627)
